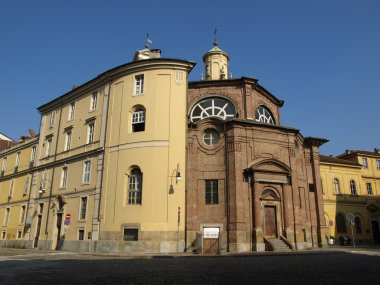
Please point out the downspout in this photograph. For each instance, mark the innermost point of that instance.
(107, 89)
(227, 187)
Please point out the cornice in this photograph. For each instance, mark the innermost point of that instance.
(112, 74)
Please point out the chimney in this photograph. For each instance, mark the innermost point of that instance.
(376, 150)
(348, 151)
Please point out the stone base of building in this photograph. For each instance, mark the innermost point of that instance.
(16, 243)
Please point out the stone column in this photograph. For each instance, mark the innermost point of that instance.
(288, 213)
(258, 241)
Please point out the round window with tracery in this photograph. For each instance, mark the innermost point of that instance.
(213, 107)
(211, 137)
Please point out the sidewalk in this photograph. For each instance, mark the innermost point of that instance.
(362, 249)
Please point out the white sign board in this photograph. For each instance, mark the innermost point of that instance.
(211, 232)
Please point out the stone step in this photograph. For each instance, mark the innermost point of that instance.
(279, 245)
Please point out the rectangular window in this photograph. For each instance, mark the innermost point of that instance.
(40, 208)
(11, 186)
(64, 177)
(43, 181)
(86, 171)
(52, 116)
(22, 214)
(19, 234)
(17, 162)
(90, 132)
(26, 185)
(139, 84)
(48, 147)
(68, 140)
(94, 101)
(80, 234)
(32, 155)
(6, 217)
(365, 162)
(211, 192)
(3, 166)
(312, 187)
(71, 111)
(369, 188)
(131, 234)
(83, 208)
(378, 164)
(4, 234)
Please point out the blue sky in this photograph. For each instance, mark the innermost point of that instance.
(321, 57)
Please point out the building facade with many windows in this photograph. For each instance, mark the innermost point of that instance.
(351, 186)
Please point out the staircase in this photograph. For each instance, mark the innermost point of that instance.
(278, 245)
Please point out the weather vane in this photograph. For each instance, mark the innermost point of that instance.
(148, 41)
(215, 40)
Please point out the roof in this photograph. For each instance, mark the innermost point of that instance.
(336, 160)
(215, 49)
(4, 137)
(224, 82)
(351, 153)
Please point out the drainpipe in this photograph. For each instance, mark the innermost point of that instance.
(227, 188)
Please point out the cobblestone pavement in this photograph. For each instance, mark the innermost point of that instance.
(320, 266)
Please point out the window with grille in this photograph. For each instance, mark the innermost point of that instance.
(135, 186)
(131, 234)
(211, 192)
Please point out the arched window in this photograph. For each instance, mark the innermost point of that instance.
(135, 186)
(263, 115)
(138, 120)
(213, 107)
(336, 186)
(341, 223)
(353, 187)
(358, 225)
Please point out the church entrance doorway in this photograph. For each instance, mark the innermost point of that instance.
(270, 221)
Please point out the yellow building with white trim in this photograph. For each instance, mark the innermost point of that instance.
(351, 187)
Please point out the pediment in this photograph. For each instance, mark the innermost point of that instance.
(270, 165)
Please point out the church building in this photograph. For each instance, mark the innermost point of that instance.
(252, 184)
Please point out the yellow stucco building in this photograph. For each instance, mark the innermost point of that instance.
(351, 186)
(108, 165)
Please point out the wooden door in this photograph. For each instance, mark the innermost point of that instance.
(211, 245)
(270, 221)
